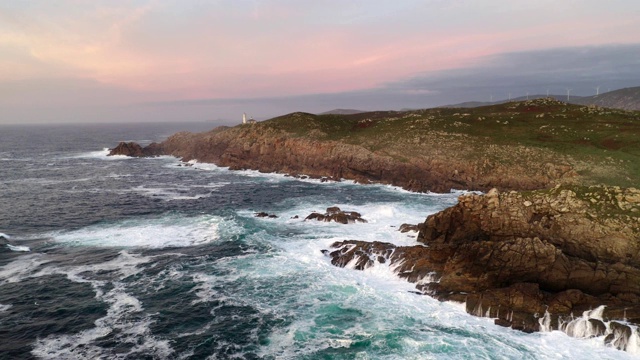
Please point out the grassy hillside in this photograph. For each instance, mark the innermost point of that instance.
(602, 145)
(627, 99)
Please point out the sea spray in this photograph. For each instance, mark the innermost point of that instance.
(591, 324)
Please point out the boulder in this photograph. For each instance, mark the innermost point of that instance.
(127, 149)
(263, 214)
(133, 149)
(337, 215)
(410, 227)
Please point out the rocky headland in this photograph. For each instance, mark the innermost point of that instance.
(555, 237)
(532, 260)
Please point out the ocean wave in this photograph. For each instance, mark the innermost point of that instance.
(125, 318)
(17, 248)
(162, 232)
(278, 177)
(176, 193)
(383, 219)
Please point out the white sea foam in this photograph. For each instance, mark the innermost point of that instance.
(383, 221)
(15, 159)
(5, 236)
(125, 317)
(99, 154)
(5, 307)
(382, 303)
(104, 155)
(374, 301)
(277, 177)
(45, 182)
(167, 231)
(121, 306)
(18, 248)
(177, 193)
(22, 267)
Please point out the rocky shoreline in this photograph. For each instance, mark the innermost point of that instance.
(541, 260)
(565, 258)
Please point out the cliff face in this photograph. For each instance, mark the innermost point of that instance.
(585, 239)
(516, 146)
(518, 256)
(532, 259)
(270, 150)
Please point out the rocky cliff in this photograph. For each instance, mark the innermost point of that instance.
(269, 150)
(531, 260)
(516, 146)
(135, 150)
(534, 259)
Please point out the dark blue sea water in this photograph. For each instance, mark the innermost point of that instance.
(121, 258)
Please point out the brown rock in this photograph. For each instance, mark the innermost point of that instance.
(135, 150)
(410, 227)
(546, 259)
(127, 149)
(337, 215)
(263, 214)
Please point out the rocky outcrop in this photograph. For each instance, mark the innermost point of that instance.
(135, 150)
(263, 214)
(431, 162)
(410, 227)
(336, 215)
(533, 261)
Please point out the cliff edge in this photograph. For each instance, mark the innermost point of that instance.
(515, 146)
(532, 260)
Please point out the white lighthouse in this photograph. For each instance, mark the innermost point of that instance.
(244, 118)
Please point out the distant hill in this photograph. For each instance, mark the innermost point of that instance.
(342, 112)
(473, 104)
(624, 99)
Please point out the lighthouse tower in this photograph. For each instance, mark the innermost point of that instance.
(244, 118)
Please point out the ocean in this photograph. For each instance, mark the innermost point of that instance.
(126, 258)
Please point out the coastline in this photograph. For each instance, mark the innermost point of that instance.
(516, 256)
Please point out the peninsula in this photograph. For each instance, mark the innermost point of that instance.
(556, 236)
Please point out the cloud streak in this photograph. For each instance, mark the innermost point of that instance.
(369, 52)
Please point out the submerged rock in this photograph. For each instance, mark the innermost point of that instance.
(263, 214)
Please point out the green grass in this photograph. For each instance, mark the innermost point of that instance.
(604, 138)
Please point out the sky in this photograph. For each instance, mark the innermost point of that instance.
(195, 60)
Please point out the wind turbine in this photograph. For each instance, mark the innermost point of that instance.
(527, 95)
(568, 93)
(547, 92)
(597, 90)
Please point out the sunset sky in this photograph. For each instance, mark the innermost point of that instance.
(114, 61)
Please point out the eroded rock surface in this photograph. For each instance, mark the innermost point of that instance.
(531, 260)
(135, 150)
(336, 215)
